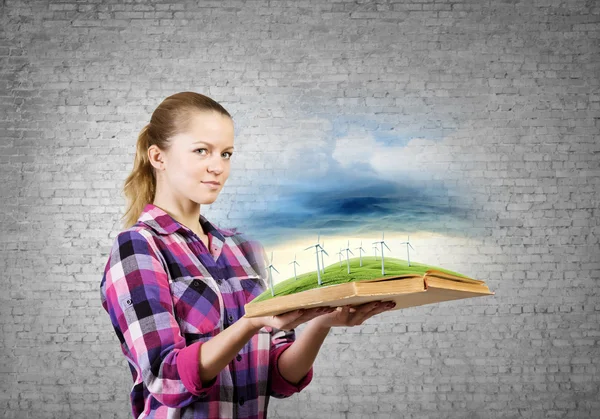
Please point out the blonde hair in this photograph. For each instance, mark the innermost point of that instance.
(171, 117)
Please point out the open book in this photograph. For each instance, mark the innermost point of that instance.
(408, 290)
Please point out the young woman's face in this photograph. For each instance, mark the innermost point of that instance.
(197, 163)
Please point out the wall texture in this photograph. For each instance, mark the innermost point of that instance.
(512, 88)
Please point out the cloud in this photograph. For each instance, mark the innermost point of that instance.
(355, 183)
(353, 204)
(391, 162)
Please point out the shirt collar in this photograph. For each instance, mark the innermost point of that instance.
(162, 223)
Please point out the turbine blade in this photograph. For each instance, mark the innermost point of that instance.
(411, 246)
(386, 246)
(275, 269)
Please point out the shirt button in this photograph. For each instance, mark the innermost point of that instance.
(230, 318)
(239, 357)
(218, 281)
(241, 401)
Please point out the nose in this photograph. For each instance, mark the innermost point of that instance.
(216, 165)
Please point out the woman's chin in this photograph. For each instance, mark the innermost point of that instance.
(207, 200)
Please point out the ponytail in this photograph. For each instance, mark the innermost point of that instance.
(140, 185)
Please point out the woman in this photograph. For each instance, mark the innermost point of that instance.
(175, 285)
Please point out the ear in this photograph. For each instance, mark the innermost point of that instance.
(156, 157)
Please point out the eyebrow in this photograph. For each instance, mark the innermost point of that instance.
(204, 142)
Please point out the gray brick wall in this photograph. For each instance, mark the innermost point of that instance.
(508, 90)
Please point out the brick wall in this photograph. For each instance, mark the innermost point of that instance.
(508, 91)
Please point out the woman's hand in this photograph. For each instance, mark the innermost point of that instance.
(352, 315)
(324, 317)
(291, 319)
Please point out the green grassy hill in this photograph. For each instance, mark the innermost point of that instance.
(336, 274)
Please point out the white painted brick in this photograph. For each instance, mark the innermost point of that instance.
(515, 119)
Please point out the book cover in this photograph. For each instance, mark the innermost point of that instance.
(359, 280)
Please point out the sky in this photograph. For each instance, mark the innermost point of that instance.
(353, 181)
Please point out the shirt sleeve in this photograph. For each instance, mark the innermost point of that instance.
(280, 340)
(137, 296)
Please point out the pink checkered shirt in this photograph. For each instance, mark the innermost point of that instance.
(167, 294)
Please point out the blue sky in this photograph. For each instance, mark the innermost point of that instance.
(345, 203)
(359, 177)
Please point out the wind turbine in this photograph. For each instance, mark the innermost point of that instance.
(323, 263)
(382, 244)
(317, 246)
(271, 274)
(376, 250)
(407, 252)
(360, 250)
(347, 249)
(295, 263)
(340, 253)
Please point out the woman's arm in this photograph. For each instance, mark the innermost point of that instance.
(218, 351)
(297, 359)
(295, 362)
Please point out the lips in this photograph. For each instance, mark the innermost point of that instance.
(212, 183)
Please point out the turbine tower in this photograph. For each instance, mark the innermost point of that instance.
(271, 274)
(340, 253)
(376, 250)
(382, 242)
(360, 250)
(295, 263)
(318, 247)
(323, 263)
(347, 249)
(407, 252)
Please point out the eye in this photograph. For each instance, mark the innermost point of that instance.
(229, 154)
(201, 149)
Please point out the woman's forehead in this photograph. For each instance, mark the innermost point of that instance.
(199, 137)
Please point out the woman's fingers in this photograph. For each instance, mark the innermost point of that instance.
(283, 319)
(307, 315)
(299, 317)
(364, 311)
(348, 315)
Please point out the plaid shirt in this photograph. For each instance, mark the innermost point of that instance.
(167, 294)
